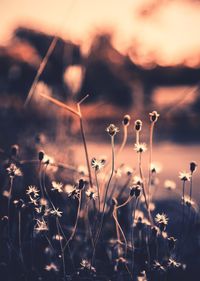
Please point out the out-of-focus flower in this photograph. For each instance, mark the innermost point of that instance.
(156, 168)
(86, 265)
(169, 184)
(56, 213)
(173, 263)
(73, 76)
(97, 164)
(184, 176)
(154, 116)
(51, 267)
(33, 201)
(58, 237)
(186, 200)
(171, 242)
(127, 170)
(91, 193)
(41, 226)
(82, 170)
(112, 130)
(158, 266)
(120, 262)
(32, 191)
(140, 147)
(72, 191)
(137, 180)
(14, 171)
(57, 186)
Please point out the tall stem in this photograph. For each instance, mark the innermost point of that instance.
(98, 191)
(150, 159)
(62, 249)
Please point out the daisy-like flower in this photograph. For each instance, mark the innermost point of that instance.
(33, 201)
(41, 226)
(56, 213)
(57, 186)
(112, 130)
(51, 267)
(140, 147)
(187, 201)
(154, 116)
(127, 170)
(72, 191)
(173, 263)
(97, 164)
(162, 221)
(14, 171)
(86, 265)
(91, 193)
(169, 184)
(138, 125)
(43, 210)
(156, 168)
(184, 176)
(32, 191)
(158, 266)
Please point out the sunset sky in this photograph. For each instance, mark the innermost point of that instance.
(165, 31)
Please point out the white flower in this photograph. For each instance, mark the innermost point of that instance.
(58, 237)
(97, 164)
(57, 186)
(173, 263)
(32, 191)
(92, 193)
(82, 170)
(137, 180)
(56, 213)
(158, 266)
(187, 201)
(72, 191)
(169, 184)
(161, 219)
(41, 226)
(140, 147)
(184, 176)
(156, 168)
(14, 171)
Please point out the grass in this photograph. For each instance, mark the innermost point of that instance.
(90, 225)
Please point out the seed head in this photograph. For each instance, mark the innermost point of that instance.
(112, 130)
(140, 147)
(184, 176)
(41, 155)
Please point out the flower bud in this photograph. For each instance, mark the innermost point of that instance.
(126, 120)
(138, 125)
(41, 155)
(14, 150)
(193, 166)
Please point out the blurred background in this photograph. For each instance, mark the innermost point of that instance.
(131, 57)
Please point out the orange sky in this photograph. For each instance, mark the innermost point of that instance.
(168, 33)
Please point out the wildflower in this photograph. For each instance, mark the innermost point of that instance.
(186, 200)
(156, 168)
(33, 201)
(128, 170)
(43, 202)
(184, 176)
(135, 190)
(57, 186)
(138, 125)
(193, 166)
(81, 184)
(43, 210)
(162, 221)
(140, 147)
(51, 267)
(97, 164)
(72, 191)
(169, 184)
(126, 120)
(137, 180)
(86, 265)
(32, 191)
(157, 266)
(41, 226)
(14, 171)
(82, 170)
(154, 116)
(56, 213)
(173, 263)
(91, 193)
(112, 130)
